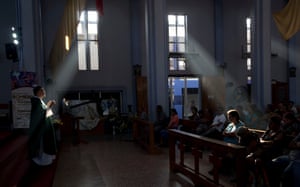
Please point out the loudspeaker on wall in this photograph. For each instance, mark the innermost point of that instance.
(11, 52)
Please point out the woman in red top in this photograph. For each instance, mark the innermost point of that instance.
(173, 124)
(174, 120)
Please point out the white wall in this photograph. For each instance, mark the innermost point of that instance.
(279, 48)
(235, 14)
(7, 20)
(52, 13)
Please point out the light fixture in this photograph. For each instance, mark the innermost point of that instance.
(14, 35)
(67, 43)
(16, 42)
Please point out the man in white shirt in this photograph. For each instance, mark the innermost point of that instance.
(217, 126)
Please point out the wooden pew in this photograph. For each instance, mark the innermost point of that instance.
(143, 134)
(188, 125)
(258, 131)
(14, 161)
(217, 149)
(5, 118)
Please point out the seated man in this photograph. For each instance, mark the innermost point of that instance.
(205, 120)
(192, 121)
(217, 126)
(195, 116)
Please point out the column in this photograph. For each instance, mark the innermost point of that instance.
(261, 77)
(292, 68)
(156, 54)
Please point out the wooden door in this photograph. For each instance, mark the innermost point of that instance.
(141, 94)
(213, 92)
(280, 92)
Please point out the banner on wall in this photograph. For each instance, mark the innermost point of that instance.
(288, 19)
(22, 83)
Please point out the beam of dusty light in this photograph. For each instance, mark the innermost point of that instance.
(200, 61)
(203, 63)
(65, 73)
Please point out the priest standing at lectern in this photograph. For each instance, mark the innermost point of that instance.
(42, 140)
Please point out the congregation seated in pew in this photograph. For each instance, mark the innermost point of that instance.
(261, 149)
(198, 122)
(262, 157)
(264, 143)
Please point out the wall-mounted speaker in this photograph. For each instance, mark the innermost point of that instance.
(292, 71)
(11, 51)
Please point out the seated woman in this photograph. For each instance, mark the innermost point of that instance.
(173, 124)
(229, 133)
(230, 136)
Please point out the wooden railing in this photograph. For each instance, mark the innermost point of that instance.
(143, 134)
(218, 149)
(259, 132)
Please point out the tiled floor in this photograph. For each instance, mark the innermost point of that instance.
(111, 162)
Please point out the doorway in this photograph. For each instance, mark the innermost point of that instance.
(184, 92)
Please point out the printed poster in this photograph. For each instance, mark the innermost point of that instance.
(22, 83)
(21, 106)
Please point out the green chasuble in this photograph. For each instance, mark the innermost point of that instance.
(41, 132)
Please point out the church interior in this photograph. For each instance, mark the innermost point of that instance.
(149, 93)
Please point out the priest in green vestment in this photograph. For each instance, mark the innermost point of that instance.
(42, 140)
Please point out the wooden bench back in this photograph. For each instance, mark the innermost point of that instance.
(143, 134)
(218, 150)
(188, 125)
(258, 131)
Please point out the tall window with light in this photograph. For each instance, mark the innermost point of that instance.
(87, 41)
(177, 25)
(248, 49)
